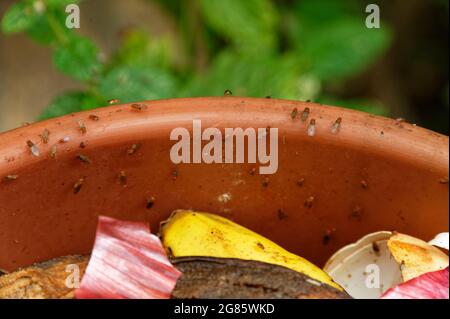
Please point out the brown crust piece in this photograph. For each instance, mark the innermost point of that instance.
(45, 280)
(205, 277)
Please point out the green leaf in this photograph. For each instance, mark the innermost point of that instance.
(68, 103)
(256, 76)
(249, 24)
(19, 17)
(343, 48)
(332, 42)
(140, 49)
(43, 21)
(60, 3)
(129, 84)
(78, 58)
(50, 27)
(313, 12)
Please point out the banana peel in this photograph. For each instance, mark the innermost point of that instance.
(188, 233)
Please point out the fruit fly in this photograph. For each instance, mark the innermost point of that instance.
(309, 202)
(82, 127)
(356, 213)
(113, 101)
(364, 184)
(281, 214)
(300, 182)
(77, 186)
(133, 149)
(327, 236)
(45, 136)
(227, 93)
(150, 202)
(94, 117)
(84, 158)
(33, 148)
(305, 114)
(64, 139)
(336, 125)
(399, 121)
(138, 106)
(175, 173)
(294, 113)
(312, 127)
(123, 178)
(265, 182)
(11, 177)
(53, 151)
(376, 248)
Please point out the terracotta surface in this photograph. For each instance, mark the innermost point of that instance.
(402, 167)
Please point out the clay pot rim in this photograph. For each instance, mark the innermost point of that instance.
(117, 123)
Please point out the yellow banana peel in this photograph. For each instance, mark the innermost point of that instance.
(189, 233)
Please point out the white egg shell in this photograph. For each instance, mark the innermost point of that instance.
(441, 240)
(366, 268)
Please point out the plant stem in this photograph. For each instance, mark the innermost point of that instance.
(61, 37)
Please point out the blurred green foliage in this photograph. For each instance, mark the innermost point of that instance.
(254, 48)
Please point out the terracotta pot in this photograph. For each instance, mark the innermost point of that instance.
(373, 174)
